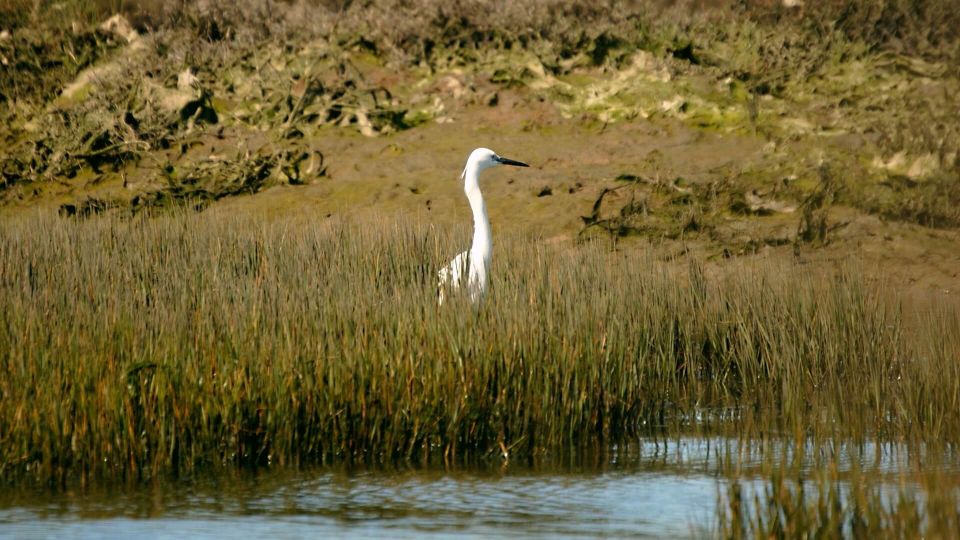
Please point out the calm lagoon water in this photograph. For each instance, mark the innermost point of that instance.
(650, 489)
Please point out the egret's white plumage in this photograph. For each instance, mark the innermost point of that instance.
(470, 267)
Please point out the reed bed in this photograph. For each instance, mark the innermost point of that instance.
(131, 348)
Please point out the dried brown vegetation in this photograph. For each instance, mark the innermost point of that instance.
(268, 75)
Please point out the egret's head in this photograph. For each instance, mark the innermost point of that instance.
(486, 158)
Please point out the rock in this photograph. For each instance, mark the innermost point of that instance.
(454, 86)
(78, 89)
(923, 167)
(169, 99)
(365, 125)
(672, 105)
(120, 27)
(4, 35)
(186, 80)
(765, 207)
(950, 159)
(646, 63)
(896, 163)
(917, 169)
(535, 67)
(117, 26)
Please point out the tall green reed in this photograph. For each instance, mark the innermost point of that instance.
(134, 347)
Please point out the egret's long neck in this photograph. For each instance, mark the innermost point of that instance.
(482, 240)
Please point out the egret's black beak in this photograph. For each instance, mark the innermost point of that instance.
(505, 161)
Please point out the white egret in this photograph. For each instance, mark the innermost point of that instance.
(472, 265)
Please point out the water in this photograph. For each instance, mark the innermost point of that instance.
(409, 504)
(648, 489)
(412, 505)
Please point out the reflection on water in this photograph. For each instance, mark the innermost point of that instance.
(405, 504)
(650, 488)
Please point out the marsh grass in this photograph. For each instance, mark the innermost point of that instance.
(136, 347)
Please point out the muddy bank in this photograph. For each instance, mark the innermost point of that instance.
(730, 131)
